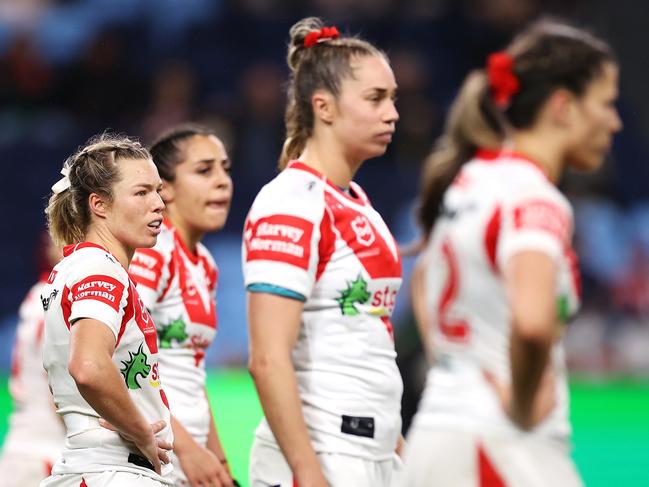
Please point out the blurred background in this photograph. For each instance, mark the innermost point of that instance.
(72, 68)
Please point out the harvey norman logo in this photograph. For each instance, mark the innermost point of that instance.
(99, 288)
(294, 234)
(283, 238)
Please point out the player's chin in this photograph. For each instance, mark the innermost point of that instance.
(372, 153)
(215, 222)
(589, 162)
(146, 240)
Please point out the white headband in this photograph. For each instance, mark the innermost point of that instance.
(63, 183)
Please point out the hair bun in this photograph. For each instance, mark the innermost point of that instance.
(299, 31)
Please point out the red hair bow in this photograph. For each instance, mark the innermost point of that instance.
(326, 33)
(502, 80)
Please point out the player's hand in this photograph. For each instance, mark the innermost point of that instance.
(401, 443)
(543, 404)
(154, 449)
(202, 467)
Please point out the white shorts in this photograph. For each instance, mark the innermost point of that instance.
(269, 468)
(177, 476)
(19, 470)
(441, 458)
(102, 479)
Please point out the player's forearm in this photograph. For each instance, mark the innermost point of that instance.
(276, 385)
(213, 441)
(183, 440)
(529, 358)
(103, 388)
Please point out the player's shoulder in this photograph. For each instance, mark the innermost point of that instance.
(297, 190)
(87, 259)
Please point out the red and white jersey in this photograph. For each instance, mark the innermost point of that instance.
(34, 427)
(178, 288)
(303, 234)
(90, 283)
(499, 204)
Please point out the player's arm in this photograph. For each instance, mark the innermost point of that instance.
(274, 324)
(214, 442)
(200, 465)
(100, 383)
(530, 279)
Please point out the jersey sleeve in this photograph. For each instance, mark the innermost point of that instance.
(537, 218)
(149, 271)
(281, 235)
(98, 289)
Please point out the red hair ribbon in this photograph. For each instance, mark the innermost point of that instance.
(326, 33)
(502, 80)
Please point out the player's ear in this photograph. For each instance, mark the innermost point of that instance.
(167, 193)
(98, 205)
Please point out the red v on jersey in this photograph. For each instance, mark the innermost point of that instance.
(362, 237)
(135, 306)
(198, 310)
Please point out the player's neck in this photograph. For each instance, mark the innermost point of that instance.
(118, 250)
(537, 148)
(190, 237)
(327, 157)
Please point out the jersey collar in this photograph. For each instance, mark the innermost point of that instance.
(493, 155)
(358, 199)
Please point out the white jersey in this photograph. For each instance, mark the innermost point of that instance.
(305, 235)
(499, 204)
(90, 283)
(178, 288)
(34, 428)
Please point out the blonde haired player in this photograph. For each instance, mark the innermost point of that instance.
(100, 345)
(177, 281)
(322, 272)
(499, 274)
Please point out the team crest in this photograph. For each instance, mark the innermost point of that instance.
(363, 230)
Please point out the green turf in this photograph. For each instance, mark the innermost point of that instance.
(610, 421)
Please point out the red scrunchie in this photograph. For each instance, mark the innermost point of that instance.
(502, 80)
(312, 38)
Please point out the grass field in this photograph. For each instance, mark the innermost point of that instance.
(610, 420)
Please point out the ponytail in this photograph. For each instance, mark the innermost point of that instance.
(473, 122)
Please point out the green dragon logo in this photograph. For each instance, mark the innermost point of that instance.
(135, 366)
(356, 292)
(173, 331)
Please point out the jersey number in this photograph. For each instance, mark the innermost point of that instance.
(456, 330)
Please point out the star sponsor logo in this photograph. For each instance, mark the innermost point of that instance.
(357, 298)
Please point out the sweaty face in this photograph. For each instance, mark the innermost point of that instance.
(135, 214)
(202, 189)
(366, 114)
(595, 121)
